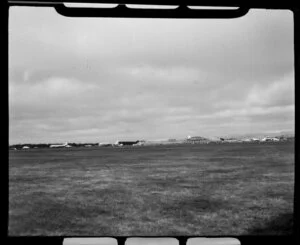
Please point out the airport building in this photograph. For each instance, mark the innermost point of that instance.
(126, 143)
(269, 139)
(196, 140)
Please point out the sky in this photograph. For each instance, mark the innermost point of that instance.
(102, 80)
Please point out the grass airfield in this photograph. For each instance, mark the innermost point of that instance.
(164, 190)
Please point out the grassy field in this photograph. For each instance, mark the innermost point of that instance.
(225, 189)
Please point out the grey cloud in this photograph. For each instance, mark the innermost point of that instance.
(250, 48)
(77, 77)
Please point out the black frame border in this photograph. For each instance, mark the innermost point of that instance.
(290, 5)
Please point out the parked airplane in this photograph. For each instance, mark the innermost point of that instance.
(60, 146)
(123, 143)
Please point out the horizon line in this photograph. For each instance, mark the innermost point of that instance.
(165, 139)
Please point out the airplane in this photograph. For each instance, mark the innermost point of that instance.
(123, 143)
(60, 146)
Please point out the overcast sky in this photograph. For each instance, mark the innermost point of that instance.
(102, 80)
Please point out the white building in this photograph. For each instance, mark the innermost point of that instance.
(60, 146)
(268, 139)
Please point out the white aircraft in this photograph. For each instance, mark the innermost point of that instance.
(60, 146)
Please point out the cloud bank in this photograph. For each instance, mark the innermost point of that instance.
(93, 80)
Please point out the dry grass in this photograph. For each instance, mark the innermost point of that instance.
(230, 189)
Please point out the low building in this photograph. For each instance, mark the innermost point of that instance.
(104, 144)
(196, 139)
(251, 140)
(140, 143)
(270, 139)
(232, 140)
(126, 143)
(60, 146)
